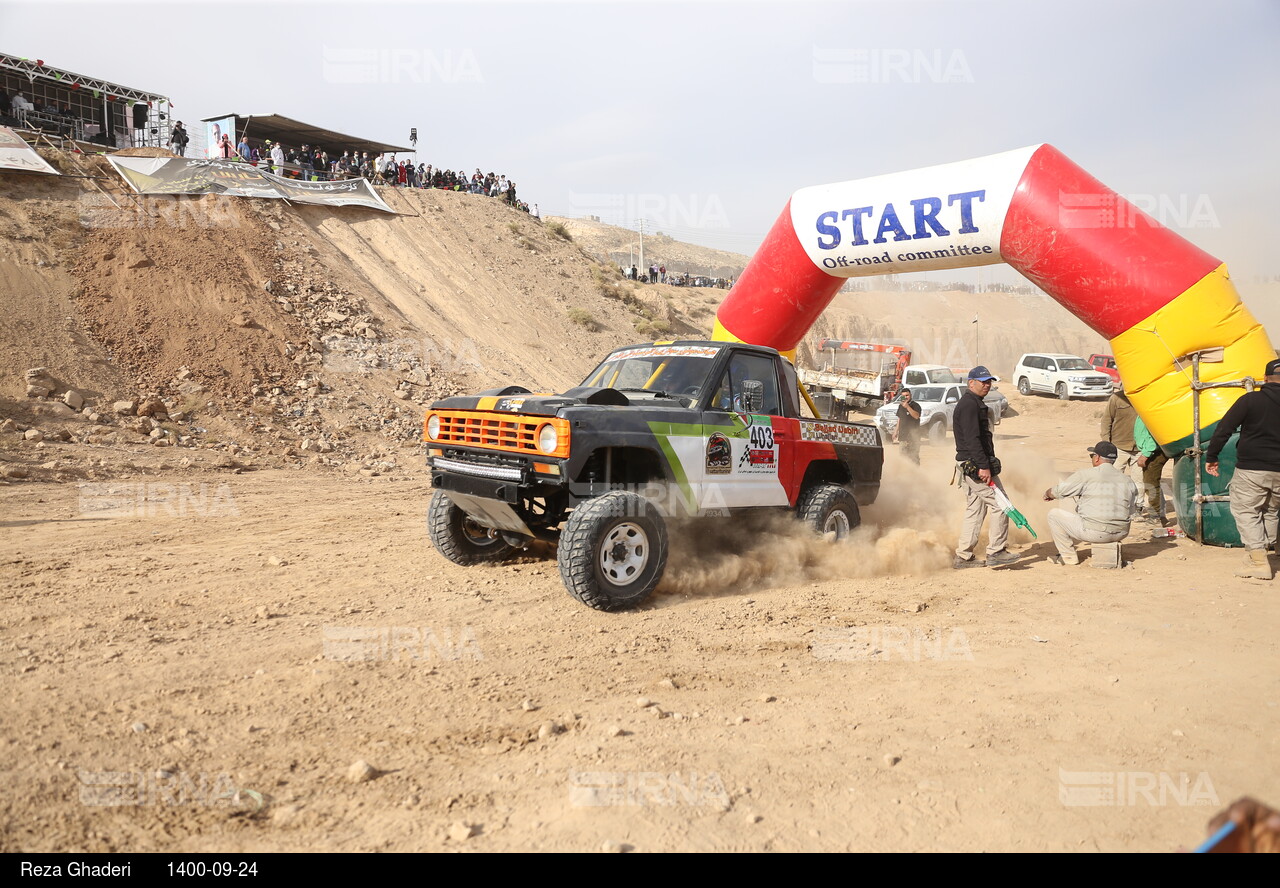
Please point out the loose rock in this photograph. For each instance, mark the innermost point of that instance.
(460, 832)
(361, 772)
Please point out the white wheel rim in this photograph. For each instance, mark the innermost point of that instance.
(836, 526)
(623, 553)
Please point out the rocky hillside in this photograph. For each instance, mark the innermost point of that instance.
(300, 335)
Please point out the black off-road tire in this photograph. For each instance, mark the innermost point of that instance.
(1062, 392)
(1024, 386)
(460, 539)
(613, 551)
(829, 509)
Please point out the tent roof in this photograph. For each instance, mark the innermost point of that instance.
(295, 133)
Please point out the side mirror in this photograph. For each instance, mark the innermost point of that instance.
(752, 395)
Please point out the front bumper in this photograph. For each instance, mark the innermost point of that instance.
(493, 488)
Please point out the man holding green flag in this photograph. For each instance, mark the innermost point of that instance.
(1108, 500)
(978, 470)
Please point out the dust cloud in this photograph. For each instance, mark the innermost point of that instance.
(911, 530)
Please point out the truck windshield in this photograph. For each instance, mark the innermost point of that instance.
(927, 394)
(674, 369)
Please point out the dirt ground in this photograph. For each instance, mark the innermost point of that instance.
(201, 661)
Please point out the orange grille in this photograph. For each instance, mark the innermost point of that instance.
(498, 431)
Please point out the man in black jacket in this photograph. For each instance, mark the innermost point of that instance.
(1255, 487)
(978, 468)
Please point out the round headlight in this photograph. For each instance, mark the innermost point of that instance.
(548, 439)
(433, 426)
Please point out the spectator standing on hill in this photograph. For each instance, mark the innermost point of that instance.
(226, 150)
(1255, 487)
(244, 150)
(21, 106)
(277, 159)
(178, 139)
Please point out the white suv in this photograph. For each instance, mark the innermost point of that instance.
(1067, 376)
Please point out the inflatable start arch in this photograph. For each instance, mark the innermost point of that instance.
(1154, 295)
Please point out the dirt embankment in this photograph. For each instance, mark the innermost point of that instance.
(285, 334)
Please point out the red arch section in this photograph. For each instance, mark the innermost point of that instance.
(1080, 241)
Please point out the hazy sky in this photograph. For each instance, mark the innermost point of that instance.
(704, 117)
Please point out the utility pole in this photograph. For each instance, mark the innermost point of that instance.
(643, 267)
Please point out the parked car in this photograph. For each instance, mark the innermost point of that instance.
(1067, 376)
(927, 374)
(937, 406)
(1106, 364)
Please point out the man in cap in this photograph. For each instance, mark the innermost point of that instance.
(1118, 419)
(1255, 487)
(977, 464)
(1108, 499)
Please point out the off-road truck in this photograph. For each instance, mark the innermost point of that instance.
(669, 430)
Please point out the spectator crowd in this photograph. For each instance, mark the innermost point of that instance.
(657, 274)
(313, 164)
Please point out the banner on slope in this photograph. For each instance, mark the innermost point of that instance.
(179, 175)
(17, 155)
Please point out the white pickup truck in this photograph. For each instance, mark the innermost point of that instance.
(937, 406)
